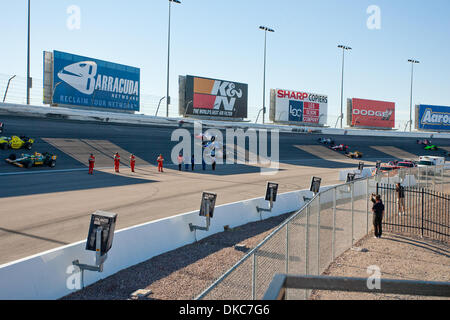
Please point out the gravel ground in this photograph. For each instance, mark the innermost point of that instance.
(398, 257)
(184, 273)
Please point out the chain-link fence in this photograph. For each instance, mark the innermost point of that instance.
(13, 89)
(312, 238)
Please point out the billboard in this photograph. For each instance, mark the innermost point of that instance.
(90, 83)
(215, 98)
(372, 113)
(434, 118)
(298, 107)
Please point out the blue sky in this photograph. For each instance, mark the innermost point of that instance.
(221, 39)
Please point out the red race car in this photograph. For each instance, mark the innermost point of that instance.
(406, 164)
(339, 147)
(424, 142)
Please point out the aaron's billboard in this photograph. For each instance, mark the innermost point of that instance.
(73, 80)
(432, 118)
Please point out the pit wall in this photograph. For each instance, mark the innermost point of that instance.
(138, 119)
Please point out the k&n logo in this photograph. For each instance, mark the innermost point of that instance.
(226, 95)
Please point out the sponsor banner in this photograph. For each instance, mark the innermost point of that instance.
(217, 98)
(372, 113)
(436, 118)
(87, 82)
(302, 107)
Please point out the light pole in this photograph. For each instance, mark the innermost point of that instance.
(266, 29)
(412, 61)
(28, 57)
(342, 84)
(168, 58)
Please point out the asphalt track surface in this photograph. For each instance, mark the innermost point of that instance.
(43, 208)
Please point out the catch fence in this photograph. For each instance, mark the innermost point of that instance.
(308, 241)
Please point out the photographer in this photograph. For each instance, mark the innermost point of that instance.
(378, 213)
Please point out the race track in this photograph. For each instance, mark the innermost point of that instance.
(44, 208)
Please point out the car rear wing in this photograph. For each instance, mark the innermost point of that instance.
(14, 162)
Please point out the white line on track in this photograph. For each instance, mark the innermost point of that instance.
(47, 171)
(106, 168)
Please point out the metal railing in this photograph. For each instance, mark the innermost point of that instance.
(281, 282)
(308, 241)
(421, 211)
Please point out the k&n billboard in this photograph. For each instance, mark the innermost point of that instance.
(214, 98)
(86, 82)
(298, 107)
(433, 118)
(371, 113)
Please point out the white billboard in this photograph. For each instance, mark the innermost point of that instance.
(299, 107)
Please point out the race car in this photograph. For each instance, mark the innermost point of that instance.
(339, 147)
(2, 127)
(32, 160)
(432, 147)
(389, 171)
(406, 164)
(354, 155)
(424, 142)
(393, 163)
(326, 141)
(16, 142)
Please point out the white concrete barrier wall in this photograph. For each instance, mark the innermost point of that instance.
(367, 172)
(45, 275)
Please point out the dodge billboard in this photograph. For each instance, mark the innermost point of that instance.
(215, 98)
(86, 82)
(372, 113)
(298, 107)
(433, 118)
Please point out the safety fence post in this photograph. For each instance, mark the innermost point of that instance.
(367, 205)
(307, 248)
(254, 277)
(423, 207)
(353, 211)
(287, 248)
(318, 235)
(334, 224)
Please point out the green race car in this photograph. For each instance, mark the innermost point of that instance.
(32, 160)
(432, 147)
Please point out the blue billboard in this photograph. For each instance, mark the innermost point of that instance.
(87, 82)
(296, 111)
(435, 118)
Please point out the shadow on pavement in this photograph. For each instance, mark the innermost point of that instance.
(32, 184)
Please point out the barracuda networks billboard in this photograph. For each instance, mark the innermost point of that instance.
(73, 80)
(432, 118)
